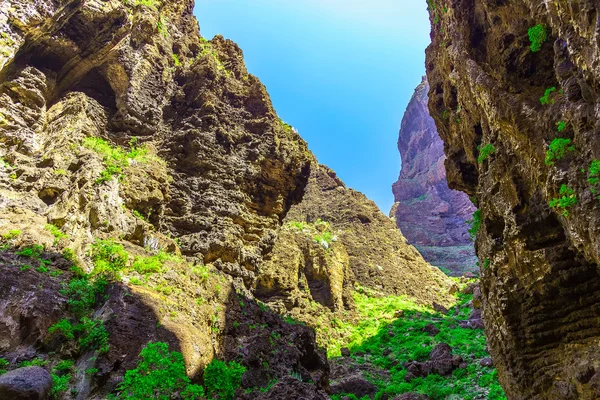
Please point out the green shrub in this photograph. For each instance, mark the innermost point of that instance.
(83, 293)
(485, 152)
(160, 374)
(60, 384)
(474, 224)
(153, 264)
(545, 99)
(561, 126)
(537, 37)
(36, 362)
(63, 366)
(222, 379)
(557, 150)
(108, 257)
(176, 60)
(567, 199)
(594, 172)
(94, 337)
(63, 327)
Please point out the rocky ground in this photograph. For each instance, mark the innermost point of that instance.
(431, 216)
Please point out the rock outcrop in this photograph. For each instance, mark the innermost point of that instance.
(508, 99)
(430, 215)
(149, 192)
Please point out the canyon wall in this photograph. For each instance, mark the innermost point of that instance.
(515, 88)
(430, 214)
(136, 151)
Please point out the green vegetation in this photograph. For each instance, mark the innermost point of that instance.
(567, 199)
(56, 232)
(160, 374)
(222, 379)
(115, 158)
(12, 234)
(207, 49)
(60, 172)
(387, 343)
(4, 364)
(36, 362)
(33, 251)
(557, 150)
(485, 152)
(109, 257)
(176, 60)
(474, 224)
(561, 126)
(537, 37)
(60, 384)
(594, 173)
(545, 99)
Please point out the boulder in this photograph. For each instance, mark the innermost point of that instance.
(354, 384)
(28, 383)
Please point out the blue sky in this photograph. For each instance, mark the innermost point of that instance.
(339, 71)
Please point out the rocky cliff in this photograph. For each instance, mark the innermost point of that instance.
(150, 193)
(514, 94)
(430, 215)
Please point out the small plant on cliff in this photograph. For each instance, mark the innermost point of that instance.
(222, 379)
(557, 150)
(474, 224)
(594, 175)
(561, 126)
(567, 199)
(176, 60)
(537, 37)
(485, 152)
(159, 374)
(56, 232)
(60, 384)
(546, 99)
(4, 364)
(12, 234)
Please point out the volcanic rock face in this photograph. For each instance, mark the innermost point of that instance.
(123, 132)
(540, 278)
(430, 215)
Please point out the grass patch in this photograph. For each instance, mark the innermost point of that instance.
(388, 344)
(56, 232)
(546, 99)
(474, 224)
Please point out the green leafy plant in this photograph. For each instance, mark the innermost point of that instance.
(176, 60)
(95, 335)
(222, 379)
(485, 152)
(537, 37)
(36, 362)
(159, 374)
(557, 150)
(161, 26)
(594, 173)
(4, 364)
(64, 328)
(561, 126)
(567, 199)
(64, 366)
(60, 384)
(546, 99)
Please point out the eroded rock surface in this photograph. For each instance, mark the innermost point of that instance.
(540, 276)
(122, 128)
(430, 215)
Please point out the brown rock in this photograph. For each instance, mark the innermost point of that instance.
(411, 396)
(431, 329)
(354, 384)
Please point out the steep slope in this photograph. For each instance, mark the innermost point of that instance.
(146, 183)
(520, 81)
(431, 215)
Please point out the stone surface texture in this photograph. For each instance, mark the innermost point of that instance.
(539, 278)
(430, 214)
